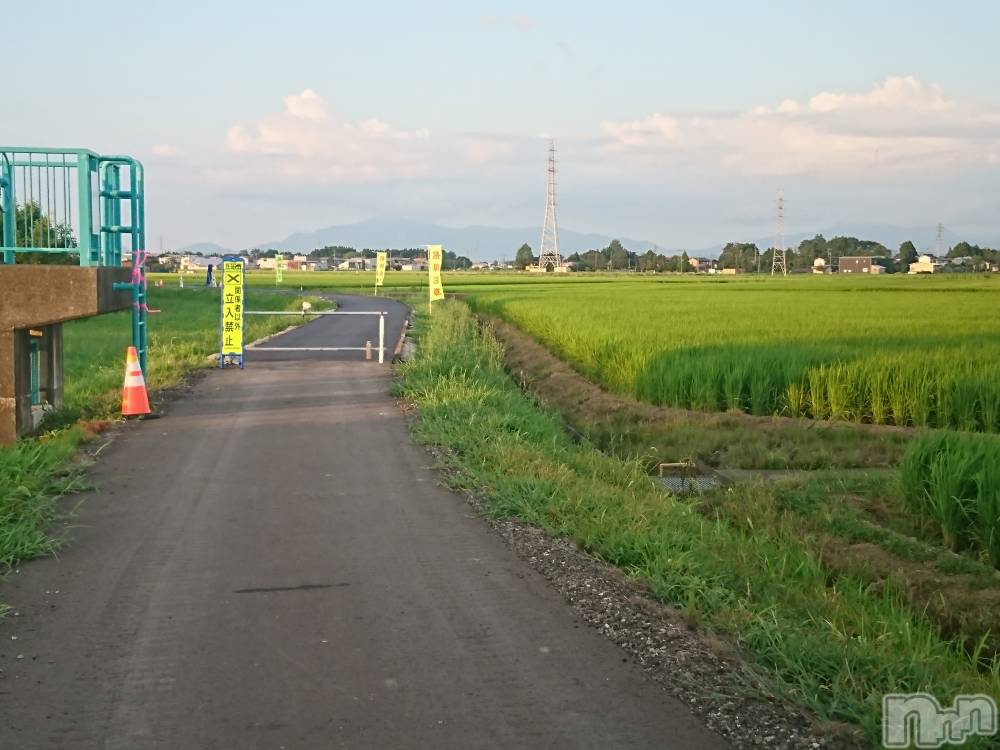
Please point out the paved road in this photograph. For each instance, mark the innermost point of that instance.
(273, 565)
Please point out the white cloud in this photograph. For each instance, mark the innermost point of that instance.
(314, 142)
(900, 124)
(521, 23)
(308, 106)
(165, 149)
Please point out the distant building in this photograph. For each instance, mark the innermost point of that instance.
(414, 264)
(926, 264)
(731, 271)
(563, 267)
(703, 265)
(354, 264)
(820, 266)
(193, 263)
(855, 264)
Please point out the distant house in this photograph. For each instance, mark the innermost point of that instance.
(858, 264)
(193, 263)
(926, 264)
(353, 264)
(563, 267)
(703, 265)
(414, 264)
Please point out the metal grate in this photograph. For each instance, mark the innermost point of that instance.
(689, 485)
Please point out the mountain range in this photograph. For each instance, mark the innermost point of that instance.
(490, 243)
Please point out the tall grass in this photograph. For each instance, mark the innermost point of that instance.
(952, 480)
(33, 475)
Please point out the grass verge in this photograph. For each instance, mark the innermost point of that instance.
(825, 639)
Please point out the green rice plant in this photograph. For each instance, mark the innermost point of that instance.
(989, 403)
(734, 387)
(899, 396)
(706, 392)
(817, 393)
(964, 402)
(762, 392)
(951, 494)
(796, 397)
(987, 508)
(878, 380)
(838, 392)
(953, 480)
(921, 399)
(882, 350)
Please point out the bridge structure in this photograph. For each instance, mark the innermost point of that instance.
(72, 245)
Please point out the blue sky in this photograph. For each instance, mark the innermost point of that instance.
(675, 122)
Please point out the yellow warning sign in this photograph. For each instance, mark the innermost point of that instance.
(232, 307)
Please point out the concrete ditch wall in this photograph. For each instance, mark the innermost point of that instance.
(35, 296)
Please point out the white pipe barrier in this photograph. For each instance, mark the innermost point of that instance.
(381, 331)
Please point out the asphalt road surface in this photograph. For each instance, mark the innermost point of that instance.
(274, 565)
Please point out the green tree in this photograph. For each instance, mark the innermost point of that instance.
(809, 251)
(34, 229)
(524, 257)
(618, 256)
(685, 263)
(907, 255)
(741, 255)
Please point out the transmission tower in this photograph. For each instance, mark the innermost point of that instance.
(549, 252)
(940, 239)
(778, 259)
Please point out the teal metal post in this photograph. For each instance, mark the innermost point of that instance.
(111, 244)
(36, 395)
(9, 207)
(85, 207)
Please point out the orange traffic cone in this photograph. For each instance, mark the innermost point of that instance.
(134, 398)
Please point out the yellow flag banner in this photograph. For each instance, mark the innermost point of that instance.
(380, 261)
(434, 259)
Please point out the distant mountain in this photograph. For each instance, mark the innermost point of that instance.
(206, 248)
(476, 242)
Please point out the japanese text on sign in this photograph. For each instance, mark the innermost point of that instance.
(380, 262)
(434, 260)
(232, 307)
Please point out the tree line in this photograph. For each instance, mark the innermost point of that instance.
(614, 257)
(748, 258)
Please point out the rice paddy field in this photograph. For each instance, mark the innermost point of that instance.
(900, 350)
(897, 350)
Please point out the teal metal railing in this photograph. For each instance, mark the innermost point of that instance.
(71, 200)
(67, 200)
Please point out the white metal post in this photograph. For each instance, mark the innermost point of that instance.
(381, 339)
